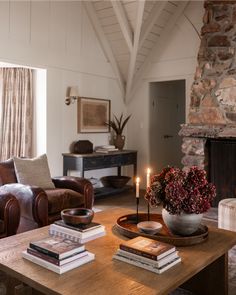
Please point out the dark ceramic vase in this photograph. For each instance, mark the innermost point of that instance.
(119, 141)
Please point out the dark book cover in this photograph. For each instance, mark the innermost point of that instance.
(56, 261)
(147, 247)
(57, 247)
(81, 228)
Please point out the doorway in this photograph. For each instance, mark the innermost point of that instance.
(167, 112)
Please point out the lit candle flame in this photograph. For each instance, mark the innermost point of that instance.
(148, 177)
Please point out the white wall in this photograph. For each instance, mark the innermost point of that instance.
(174, 59)
(57, 36)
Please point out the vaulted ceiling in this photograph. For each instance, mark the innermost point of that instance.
(129, 31)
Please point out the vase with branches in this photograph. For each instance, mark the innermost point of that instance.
(117, 125)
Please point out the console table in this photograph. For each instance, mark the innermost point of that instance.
(93, 161)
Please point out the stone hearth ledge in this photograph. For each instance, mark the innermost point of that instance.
(208, 131)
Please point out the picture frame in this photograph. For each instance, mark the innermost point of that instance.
(92, 114)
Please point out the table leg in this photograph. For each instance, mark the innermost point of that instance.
(119, 170)
(213, 279)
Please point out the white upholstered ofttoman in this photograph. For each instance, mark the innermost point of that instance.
(33, 171)
(227, 214)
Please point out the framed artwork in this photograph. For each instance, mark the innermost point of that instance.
(92, 115)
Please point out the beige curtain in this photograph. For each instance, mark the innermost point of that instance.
(16, 112)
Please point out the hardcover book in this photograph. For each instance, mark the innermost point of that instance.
(148, 266)
(148, 248)
(155, 263)
(59, 269)
(63, 232)
(57, 247)
(80, 228)
(55, 261)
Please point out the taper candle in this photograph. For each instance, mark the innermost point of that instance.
(137, 187)
(148, 177)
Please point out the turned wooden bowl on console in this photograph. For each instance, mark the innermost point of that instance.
(77, 216)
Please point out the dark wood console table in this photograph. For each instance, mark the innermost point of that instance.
(93, 161)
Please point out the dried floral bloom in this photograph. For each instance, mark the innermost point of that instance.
(179, 191)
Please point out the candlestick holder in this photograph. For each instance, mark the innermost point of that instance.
(137, 204)
(148, 211)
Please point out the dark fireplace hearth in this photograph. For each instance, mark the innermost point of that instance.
(214, 149)
(222, 167)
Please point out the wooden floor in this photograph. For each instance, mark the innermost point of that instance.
(125, 200)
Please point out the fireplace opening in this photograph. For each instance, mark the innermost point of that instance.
(221, 167)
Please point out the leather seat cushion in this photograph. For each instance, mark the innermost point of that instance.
(60, 198)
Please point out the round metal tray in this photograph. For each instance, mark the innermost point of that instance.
(127, 226)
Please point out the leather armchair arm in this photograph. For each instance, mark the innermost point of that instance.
(78, 184)
(9, 213)
(33, 201)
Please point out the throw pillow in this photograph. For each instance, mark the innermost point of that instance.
(33, 171)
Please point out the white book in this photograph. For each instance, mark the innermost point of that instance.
(147, 266)
(106, 150)
(63, 233)
(155, 263)
(59, 269)
(75, 233)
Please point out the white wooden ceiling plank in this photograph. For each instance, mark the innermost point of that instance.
(144, 51)
(138, 26)
(130, 6)
(115, 36)
(111, 29)
(164, 18)
(105, 12)
(100, 5)
(107, 21)
(120, 50)
(104, 43)
(149, 23)
(170, 7)
(152, 37)
(123, 57)
(164, 36)
(124, 24)
(148, 44)
(156, 30)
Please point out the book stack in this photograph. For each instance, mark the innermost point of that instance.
(105, 149)
(80, 233)
(148, 254)
(58, 254)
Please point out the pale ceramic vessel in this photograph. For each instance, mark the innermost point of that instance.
(182, 224)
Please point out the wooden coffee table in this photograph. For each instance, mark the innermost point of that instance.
(204, 267)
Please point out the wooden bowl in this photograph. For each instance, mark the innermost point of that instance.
(77, 216)
(115, 181)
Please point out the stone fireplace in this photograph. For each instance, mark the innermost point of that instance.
(212, 114)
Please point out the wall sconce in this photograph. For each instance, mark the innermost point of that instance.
(73, 95)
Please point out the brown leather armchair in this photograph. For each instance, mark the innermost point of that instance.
(9, 215)
(41, 207)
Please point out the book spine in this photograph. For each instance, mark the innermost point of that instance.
(54, 232)
(45, 251)
(74, 233)
(43, 256)
(155, 263)
(138, 252)
(136, 263)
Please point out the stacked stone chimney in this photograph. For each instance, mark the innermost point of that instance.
(212, 111)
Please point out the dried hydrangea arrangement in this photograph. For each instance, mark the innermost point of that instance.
(179, 191)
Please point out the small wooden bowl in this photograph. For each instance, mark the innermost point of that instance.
(77, 216)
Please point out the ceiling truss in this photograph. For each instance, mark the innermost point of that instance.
(130, 32)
